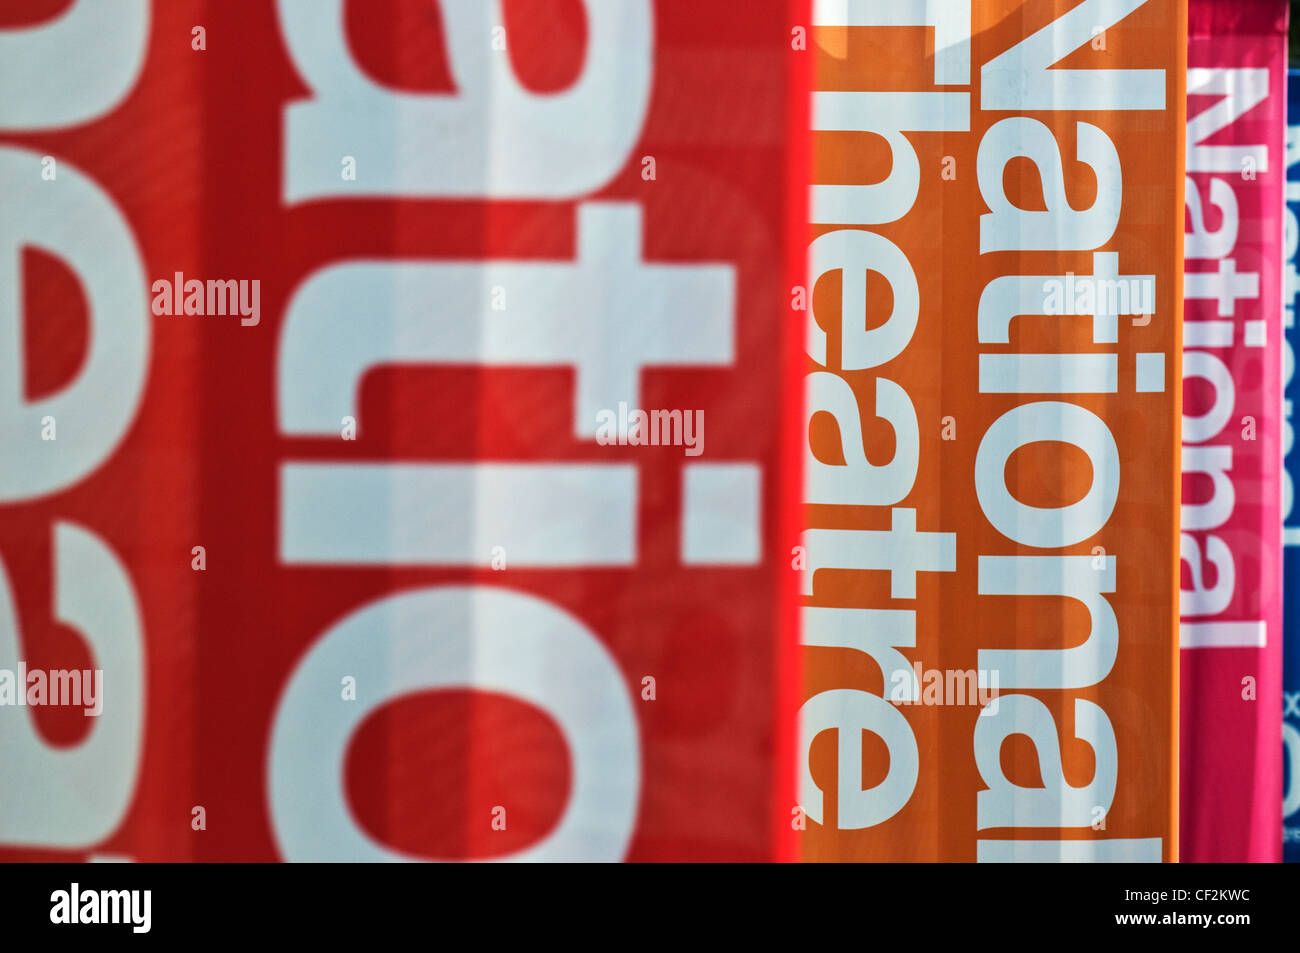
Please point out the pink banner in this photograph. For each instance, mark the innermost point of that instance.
(1231, 634)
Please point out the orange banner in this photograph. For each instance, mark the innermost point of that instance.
(990, 561)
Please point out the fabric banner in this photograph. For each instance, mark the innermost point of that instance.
(400, 429)
(1232, 365)
(993, 396)
(1290, 476)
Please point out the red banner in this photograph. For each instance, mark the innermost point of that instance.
(1231, 638)
(400, 420)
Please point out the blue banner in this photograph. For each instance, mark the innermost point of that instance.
(1290, 512)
